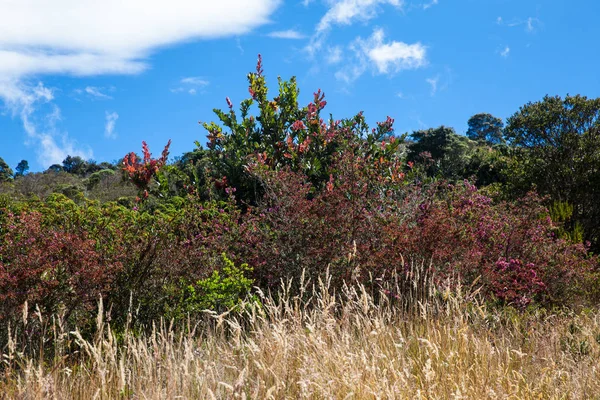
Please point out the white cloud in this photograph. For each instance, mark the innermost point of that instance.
(531, 24)
(430, 4)
(383, 58)
(238, 44)
(346, 12)
(393, 56)
(334, 55)
(505, 52)
(89, 37)
(33, 105)
(97, 92)
(190, 85)
(433, 82)
(109, 126)
(20, 61)
(350, 73)
(195, 81)
(288, 34)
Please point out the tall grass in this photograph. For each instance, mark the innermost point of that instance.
(432, 343)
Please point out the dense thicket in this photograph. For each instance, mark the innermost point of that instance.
(285, 191)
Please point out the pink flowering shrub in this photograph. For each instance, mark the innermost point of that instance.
(512, 246)
(364, 227)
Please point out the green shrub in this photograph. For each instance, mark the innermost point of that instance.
(222, 290)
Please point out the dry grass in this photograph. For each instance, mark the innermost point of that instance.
(329, 347)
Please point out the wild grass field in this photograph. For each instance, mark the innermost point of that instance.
(424, 343)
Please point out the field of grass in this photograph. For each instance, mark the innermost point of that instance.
(427, 344)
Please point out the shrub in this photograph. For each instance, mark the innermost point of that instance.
(59, 270)
(286, 136)
(140, 172)
(175, 244)
(221, 291)
(366, 227)
(511, 245)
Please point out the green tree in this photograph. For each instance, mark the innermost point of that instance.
(54, 168)
(556, 146)
(285, 135)
(441, 152)
(266, 134)
(6, 172)
(433, 141)
(22, 168)
(75, 165)
(485, 127)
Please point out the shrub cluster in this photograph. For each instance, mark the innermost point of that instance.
(273, 197)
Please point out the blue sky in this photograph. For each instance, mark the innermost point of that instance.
(95, 78)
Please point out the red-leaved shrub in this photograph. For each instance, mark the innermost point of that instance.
(362, 226)
(50, 267)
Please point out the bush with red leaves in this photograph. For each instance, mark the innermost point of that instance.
(50, 267)
(362, 226)
(512, 246)
(140, 172)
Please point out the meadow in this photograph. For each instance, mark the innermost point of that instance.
(433, 343)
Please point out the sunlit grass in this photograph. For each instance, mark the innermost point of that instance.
(428, 344)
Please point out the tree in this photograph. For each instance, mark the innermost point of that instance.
(441, 152)
(6, 172)
(107, 165)
(485, 127)
(22, 168)
(74, 165)
(54, 168)
(433, 141)
(285, 135)
(556, 145)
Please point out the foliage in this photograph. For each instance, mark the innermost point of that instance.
(74, 165)
(140, 172)
(223, 290)
(440, 152)
(284, 135)
(562, 214)
(293, 195)
(166, 247)
(98, 177)
(557, 150)
(487, 128)
(22, 168)
(55, 168)
(286, 232)
(6, 172)
(512, 246)
(373, 227)
(61, 269)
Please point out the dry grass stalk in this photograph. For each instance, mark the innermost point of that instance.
(439, 345)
